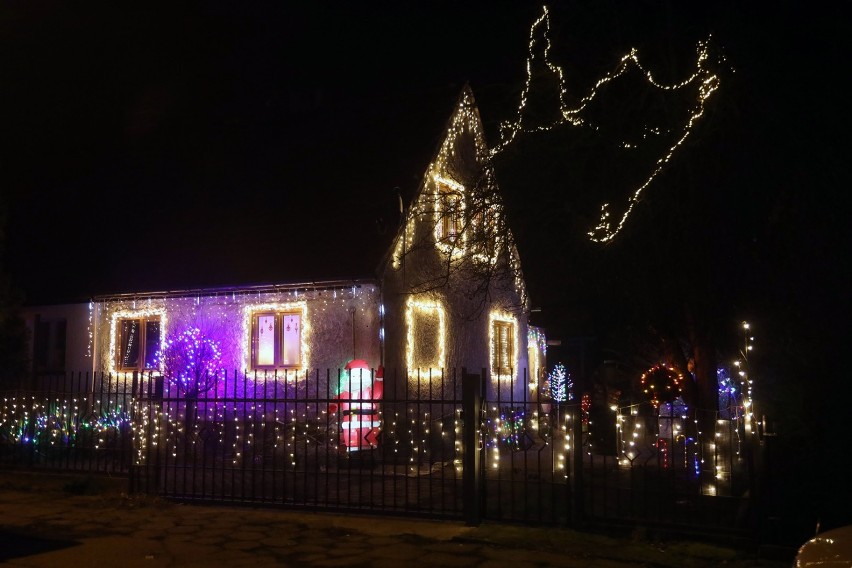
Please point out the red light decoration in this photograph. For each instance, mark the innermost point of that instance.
(662, 384)
(585, 405)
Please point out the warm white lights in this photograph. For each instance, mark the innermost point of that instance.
(510, 325)
(119, 315)
(418, 311)
(464, 223)
(702, 80)
(300, 308)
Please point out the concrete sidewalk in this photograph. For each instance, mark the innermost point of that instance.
(64, 520)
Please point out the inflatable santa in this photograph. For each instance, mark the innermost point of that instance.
(360, 423)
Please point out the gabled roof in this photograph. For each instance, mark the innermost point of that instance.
(462, 160)
(464, 118)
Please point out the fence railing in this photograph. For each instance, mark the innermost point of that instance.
(330, 440)
(74, 422)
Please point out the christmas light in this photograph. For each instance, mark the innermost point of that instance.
(427, 307)
(746, 381)
(537, 356)
(431, 206)
(560, 384)
(661, 383)
(191, 361)
(225, 316)
(702, 80)
(505, 317)
(118, 315)
(300, 308)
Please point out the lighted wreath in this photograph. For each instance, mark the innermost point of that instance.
(662, 384)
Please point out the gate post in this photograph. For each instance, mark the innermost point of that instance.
(471, 460)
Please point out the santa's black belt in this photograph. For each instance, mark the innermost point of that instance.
(359, 411)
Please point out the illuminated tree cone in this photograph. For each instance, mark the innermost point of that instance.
(662, 384)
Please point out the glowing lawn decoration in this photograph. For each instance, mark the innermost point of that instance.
(560, 384)
(191, 361)
(360, 417)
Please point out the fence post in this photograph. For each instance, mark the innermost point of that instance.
(471, 460)
(132, 480)
(576, 474)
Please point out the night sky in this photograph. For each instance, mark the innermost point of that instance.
(219, 144)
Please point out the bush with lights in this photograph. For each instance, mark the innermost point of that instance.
(190, 362)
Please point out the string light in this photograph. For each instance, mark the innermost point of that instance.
(505, 317)
(537, 347)
(141, 314)
(413, 362)
(431, 207)
(90, 331)
(560, 383)
(226, 317)
(191, 361)
(662, 383)
(745, 379)
(300, 307)
(702, 79)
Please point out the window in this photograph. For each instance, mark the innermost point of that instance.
(49, 345)
(426, 330)
(487, 232)
(449, 211)
(502, 346)
(137, 343)
(276, 340)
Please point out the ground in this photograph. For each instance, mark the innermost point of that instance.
(49, 520)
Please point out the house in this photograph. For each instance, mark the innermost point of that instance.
(449, 294)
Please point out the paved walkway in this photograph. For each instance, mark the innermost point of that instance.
(67, 521)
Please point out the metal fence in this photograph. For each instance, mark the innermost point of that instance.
(75, 422)
(294, 440)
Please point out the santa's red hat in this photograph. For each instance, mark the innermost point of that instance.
(357, 364)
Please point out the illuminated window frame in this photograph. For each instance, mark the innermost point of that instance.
(249, 311)
(449, 203)
(495, 320)
(411, 306)
(114, 335)
(278, 339)
(449, 225)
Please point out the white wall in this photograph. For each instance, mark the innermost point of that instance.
(77, 346)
